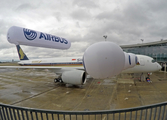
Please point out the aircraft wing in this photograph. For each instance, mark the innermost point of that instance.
(69, 75)
(43, 67)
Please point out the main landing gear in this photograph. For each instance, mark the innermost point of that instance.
(58, 80)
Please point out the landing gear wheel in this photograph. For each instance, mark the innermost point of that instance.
(60, 81)
(55, 80)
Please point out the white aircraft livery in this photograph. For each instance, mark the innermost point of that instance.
(69, 65)
(59, 61)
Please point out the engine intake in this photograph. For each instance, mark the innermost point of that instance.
(103, 60)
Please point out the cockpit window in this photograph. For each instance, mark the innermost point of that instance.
(153, 61)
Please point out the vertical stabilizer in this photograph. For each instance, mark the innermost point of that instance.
(21, 54)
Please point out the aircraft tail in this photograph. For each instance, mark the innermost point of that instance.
(21, 54)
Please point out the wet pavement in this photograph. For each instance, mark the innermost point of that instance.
(36, 89)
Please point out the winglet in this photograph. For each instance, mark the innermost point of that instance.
(21, 54)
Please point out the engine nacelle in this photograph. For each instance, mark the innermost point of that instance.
(24, 36)
(103, 60)
(75, 77)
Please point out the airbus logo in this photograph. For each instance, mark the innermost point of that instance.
(29, 34)
(52, 38)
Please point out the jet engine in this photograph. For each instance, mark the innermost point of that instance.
(103, 60)
(75, 77)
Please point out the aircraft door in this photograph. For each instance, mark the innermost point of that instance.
(142, 63)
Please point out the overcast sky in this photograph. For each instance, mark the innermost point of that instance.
(83, 22)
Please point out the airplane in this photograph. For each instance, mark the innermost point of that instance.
(100, 60)
(66, 67)
(145, 63)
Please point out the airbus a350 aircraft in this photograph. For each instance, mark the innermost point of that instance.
(68, 67)
(100, 60)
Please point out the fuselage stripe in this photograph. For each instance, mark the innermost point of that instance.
(53, 64)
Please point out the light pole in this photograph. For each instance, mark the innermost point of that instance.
(142, 40)
(105, 36)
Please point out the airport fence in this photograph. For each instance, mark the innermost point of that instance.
(150, 112)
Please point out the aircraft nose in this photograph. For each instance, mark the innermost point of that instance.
(159, 66)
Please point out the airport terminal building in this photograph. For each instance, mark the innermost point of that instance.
(156, 50)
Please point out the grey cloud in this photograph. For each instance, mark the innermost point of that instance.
(77, 24)
(105, 15)
(156, 6)
(136, 14)
(3, 28)
(132, 14)
(81, 14)
(85, 3)
(162, 32)
(84, 22)
(5, 45)
(25, 6)
(58, 16)
(37, 52)
(133, 21)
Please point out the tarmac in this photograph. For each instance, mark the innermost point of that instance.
(36, 89)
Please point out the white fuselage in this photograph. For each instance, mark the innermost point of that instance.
(60, 61)
(146, 64)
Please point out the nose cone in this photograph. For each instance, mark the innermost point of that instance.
(159, 66)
